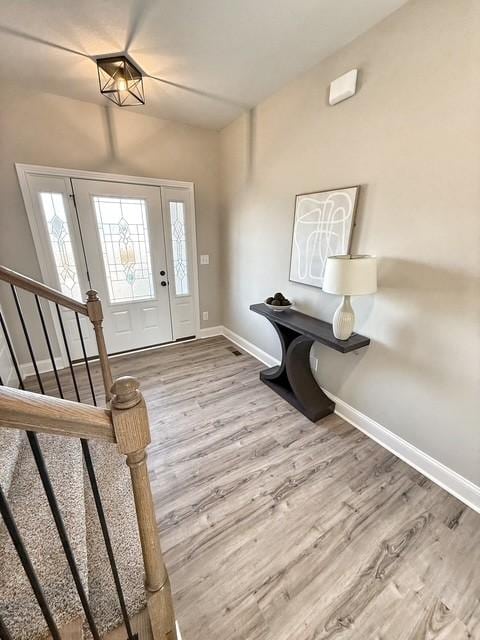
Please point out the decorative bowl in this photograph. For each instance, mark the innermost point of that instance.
(274, 307)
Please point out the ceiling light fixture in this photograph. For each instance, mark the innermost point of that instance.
(120, 81)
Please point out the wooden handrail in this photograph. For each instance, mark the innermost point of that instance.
(44, 414)
(23, 282)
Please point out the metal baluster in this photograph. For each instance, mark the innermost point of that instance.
(4, 632)
(12, 352)
(88, 464)
(106, 536)
(57, 516)
(27, 338)
(32, 438)
(49, 346)
(97, 498)
(84, 351)
(70, 363)
(27, 565)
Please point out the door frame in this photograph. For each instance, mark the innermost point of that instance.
(24, 170)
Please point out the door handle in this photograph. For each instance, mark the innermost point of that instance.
(163, 283)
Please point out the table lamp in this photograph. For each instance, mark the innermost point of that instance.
(349, 276)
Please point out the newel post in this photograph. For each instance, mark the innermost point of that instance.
(95, 313)
(132, 432)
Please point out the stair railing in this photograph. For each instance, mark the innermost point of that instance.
(92, 309)
(124, 421)
(126, 424)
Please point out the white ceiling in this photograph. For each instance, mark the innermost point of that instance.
(225, 55)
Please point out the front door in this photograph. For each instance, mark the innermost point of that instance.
(124, 248)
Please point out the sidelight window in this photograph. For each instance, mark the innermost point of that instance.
(53, 208)
(179, 248)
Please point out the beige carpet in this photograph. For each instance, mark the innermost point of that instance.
(117, 498)
(20, 480)
(9, 448)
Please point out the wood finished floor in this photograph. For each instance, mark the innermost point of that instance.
(275, 528)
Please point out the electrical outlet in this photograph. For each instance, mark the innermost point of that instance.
(205, 259)
(205, 315)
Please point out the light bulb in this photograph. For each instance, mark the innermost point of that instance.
(121, 84)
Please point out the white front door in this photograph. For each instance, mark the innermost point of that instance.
(134, 243)
(124, 247)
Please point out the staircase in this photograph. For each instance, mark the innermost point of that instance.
(79, 549)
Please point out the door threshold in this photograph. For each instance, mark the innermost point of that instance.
(151, 347)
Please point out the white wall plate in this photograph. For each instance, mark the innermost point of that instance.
(343, 87)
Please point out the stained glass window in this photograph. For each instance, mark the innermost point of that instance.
(53, 207)
(123, 230)
(179, 248)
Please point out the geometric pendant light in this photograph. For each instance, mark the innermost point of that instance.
(120, 81)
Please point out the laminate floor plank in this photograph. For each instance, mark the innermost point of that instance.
(275, 528)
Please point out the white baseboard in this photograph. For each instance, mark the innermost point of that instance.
(250, 348)
(26, 369)
(450, 480)
(209, 332)
(442, 475)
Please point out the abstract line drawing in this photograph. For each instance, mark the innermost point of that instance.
(322, 227)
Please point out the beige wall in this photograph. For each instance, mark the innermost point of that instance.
(7, 372)
(51, 130)
(411, 138)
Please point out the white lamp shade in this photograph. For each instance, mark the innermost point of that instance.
(350, 275)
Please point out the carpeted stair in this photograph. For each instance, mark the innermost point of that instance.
(9, 448)
(117, 498)
(21, 483)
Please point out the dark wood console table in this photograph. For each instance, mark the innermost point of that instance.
(292, 379)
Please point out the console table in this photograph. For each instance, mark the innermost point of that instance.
(292, 379)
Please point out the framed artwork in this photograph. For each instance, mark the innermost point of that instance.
(322, 227)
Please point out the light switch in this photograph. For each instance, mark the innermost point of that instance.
(205, 259)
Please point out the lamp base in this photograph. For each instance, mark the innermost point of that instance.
(343, 320)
